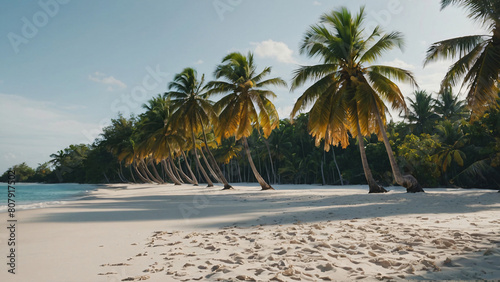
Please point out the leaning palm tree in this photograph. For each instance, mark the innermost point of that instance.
(348, 96)
(478, 61)
(192, 110)
(245, 93)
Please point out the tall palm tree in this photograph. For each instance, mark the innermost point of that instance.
(192, 110)
(245, 93)
(421, 114)
(347, 95)
(478, 55)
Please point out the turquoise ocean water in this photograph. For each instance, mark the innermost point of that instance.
(35, 195)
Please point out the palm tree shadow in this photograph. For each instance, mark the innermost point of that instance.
(252, 207)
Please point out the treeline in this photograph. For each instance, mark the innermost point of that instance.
(440, 147)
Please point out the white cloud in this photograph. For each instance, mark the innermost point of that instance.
(399, 64)
(199, 62)
(275, 50)
(108, 80)
(317, 3)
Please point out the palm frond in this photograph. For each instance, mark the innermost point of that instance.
(305, 73)
(385, 43)
(395, 73)
(451, 48)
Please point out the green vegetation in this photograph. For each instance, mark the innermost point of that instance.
(184, 137)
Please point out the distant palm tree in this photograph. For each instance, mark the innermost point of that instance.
(478, 55)
(245, 93)
(453, 140)
(448, 106)
(347, 95)
(421, 114)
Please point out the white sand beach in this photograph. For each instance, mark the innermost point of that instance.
(296, 233)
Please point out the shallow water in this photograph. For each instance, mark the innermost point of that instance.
(36, 195)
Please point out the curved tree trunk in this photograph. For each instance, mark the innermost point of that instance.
(145, 172)
(408, 181)
(214, 162)
(173, 169)
(193, 177)
(155, 171)
(257, 175)
(148, 173)
(337, 166)
(171, 166)
(209, 167)
(198, 164)
(170, 173)
(373, 186)
(132, 173)
(178, 170)
(137, 170)
(122, 176)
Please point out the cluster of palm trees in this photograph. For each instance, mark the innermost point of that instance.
(425, 111)
(185, 119)
(348, 97)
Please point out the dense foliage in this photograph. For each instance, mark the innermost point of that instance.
(457, 153)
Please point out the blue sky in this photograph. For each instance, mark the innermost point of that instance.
(68, 66)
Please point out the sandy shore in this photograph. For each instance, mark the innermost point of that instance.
(186, 233)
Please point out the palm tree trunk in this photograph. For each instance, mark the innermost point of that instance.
(170, 173)
(143, 179)
(193, 177)
(122, 176)
(179, 172)
(171, 166)
(408, 181)
(337, 166)
(259, 178)
(198, 164)
(209, 167)
(270, 159)
(156, 174)
(148, 173)
(145, 172)
(132, 173)
(373, 186)
(214, 162)
(105, 176)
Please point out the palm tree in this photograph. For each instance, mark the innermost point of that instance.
(422, 115)
(448, 106)
(245, 93)
(347, 96)
(159, 140)
(453, 140)
(192, 108)
(478, 55)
